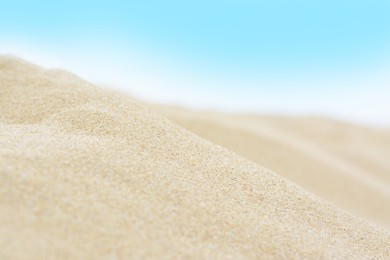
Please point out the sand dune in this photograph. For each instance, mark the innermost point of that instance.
(346, 164)
(86, 173)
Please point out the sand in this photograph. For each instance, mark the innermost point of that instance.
(87, 173)
(347, 164)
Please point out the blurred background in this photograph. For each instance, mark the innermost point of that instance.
(292, 57)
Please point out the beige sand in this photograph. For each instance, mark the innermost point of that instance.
(85, 173)
(346, 164)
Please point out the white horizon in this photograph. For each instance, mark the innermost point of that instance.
(362, 99)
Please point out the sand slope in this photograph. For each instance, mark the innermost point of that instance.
(85, 173)
(346, 164)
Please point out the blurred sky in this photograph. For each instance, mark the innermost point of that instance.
(323, 57)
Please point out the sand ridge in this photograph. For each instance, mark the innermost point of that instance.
(87, 173)
(346, 164)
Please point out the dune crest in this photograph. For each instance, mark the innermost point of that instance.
(87, 173)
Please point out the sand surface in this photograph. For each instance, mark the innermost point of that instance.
(86, 173)
(347, 164)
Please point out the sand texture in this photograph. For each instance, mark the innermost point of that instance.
(86, 173)
(348, 165)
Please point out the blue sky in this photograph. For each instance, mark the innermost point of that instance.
(281, 56)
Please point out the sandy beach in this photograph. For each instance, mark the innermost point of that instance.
(88, 173)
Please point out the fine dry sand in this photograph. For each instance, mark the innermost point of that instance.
(348, 165)
(86, 173)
